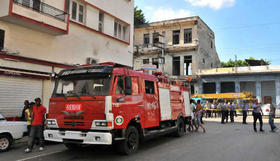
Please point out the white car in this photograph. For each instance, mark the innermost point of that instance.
(266, 110)
(10, 131)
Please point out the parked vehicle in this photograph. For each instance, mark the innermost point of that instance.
(108, 105)
(10, 131)
(266, 110)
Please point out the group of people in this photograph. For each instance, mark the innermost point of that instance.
(34, 114)
(228, 108)
(197, 113)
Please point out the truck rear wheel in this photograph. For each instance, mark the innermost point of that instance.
(5, 142)
(131, 142)
(181, 128)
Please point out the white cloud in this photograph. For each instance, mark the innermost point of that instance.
(149, 8)
(163, 13)
(214, 4)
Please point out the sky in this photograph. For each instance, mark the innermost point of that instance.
(245, 28)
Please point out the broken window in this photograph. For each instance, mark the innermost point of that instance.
(146, 61)
(146, 40)
(209, 88)
(155, 38)
(2, 38)
(176, 65)
(187, 36)
(176, 37)
(155, 61)
(187, 65)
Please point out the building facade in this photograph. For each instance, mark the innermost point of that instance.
(262, 81)
(40, 37)
(179, 47)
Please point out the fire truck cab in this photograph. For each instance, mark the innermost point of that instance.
(109, 105)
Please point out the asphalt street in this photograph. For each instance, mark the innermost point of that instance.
(229, 142)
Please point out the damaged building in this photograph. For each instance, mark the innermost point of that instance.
(178, 47)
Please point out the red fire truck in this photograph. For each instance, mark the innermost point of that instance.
(109, 105)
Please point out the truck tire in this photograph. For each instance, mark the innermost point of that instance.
(131, 142)
(5, 142)
(181, 128)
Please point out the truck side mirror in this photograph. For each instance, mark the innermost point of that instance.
(128, 86)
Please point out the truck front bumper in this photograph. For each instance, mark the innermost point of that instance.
(97, 138)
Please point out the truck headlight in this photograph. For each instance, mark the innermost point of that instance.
(101, 124)
(52, 123)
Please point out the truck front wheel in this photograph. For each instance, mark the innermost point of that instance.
(131, 142)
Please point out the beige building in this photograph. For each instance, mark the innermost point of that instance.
(39, 37)
(179, 47)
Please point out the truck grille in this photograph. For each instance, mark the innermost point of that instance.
(74, 117)
(73, 123)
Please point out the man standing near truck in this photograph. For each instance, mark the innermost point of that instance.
(37, 125)
(257, 114)
(272, 116)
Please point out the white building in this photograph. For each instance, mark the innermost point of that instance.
(38, 37)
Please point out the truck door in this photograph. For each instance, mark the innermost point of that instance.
(151, 105)
(127, 100)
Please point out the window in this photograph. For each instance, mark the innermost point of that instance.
(146, 61)
(26, 3)
(120, 31)
(101, 22)
(116, 29)
(149, 87)
(211, 44)
(155, 61)
(176, 37)
(120, 85)
(77, 11)
(146, 40)
(36, 5)
(176, 65)
(187, 65)
(2, 38)
(187, 36)
(155, 38)
(135, 85)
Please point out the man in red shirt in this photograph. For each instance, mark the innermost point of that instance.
(37, 125)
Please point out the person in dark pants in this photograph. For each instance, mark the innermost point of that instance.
(227, 111)
(257, 114)
(28, 117)
(231, 113)
(223, 111)
(38, 119)
(245, 107)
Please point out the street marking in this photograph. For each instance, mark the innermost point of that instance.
(41, 155)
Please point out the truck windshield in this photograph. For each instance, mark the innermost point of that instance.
(82, 85)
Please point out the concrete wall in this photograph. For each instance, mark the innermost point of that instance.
(4, 8)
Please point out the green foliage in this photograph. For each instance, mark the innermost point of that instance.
(239, 63)
(139, 17)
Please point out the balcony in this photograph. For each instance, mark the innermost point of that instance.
(36, 15)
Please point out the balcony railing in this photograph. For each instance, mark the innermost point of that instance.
(44, 8)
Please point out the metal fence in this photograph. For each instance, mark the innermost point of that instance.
(43, 8)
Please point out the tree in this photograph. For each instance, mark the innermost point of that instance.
(139, 17)
(240, 63)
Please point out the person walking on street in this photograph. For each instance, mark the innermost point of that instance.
(231, 113)
(26, 105)
(38, 119)
(198, 113)
(192, 121)
(245, 107)
(223, 111)
(28, 117)
(203, 111)
(227, 111)
(257, 114)
(272, 116)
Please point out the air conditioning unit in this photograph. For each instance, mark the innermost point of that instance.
(91, 61)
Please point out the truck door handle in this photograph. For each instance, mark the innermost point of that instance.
(140, 105)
